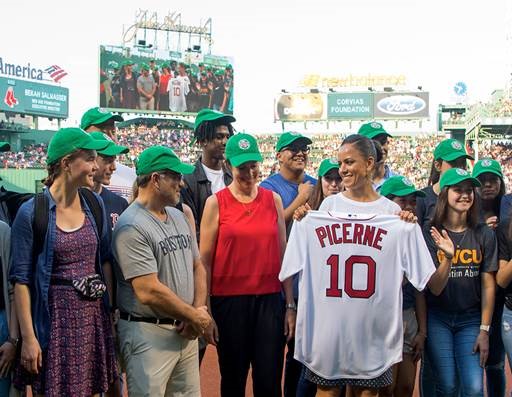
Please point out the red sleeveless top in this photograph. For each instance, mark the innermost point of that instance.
(247, 257)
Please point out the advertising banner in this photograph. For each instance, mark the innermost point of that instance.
(164, 82)
(393, 105)
(299, 107)
(37, 99)
(350, 105)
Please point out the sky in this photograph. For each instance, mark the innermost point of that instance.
(275, 43)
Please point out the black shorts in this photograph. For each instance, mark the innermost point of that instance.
(376, 383)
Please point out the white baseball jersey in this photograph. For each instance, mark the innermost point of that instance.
(178, 88)
(351, 267)
(122, 181)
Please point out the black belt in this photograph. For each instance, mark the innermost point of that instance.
(152, 320)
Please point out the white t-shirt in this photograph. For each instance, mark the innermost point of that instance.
(216, 177)
(178, 88)
(351, 267)
(122, 181)
(339, 203)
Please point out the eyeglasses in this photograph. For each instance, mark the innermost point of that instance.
(176, 176)
(297, 149)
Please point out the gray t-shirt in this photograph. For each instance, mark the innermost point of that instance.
(146, 83)
(142, 244)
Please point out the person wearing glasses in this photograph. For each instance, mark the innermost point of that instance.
(162, 286)
(376, 132)
(295, 188)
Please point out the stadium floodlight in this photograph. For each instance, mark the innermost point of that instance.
(284, 91)
(332, 90)
(420, 88)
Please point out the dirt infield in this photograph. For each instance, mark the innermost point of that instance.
(210, 377)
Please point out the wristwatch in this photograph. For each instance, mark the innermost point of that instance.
(13, 341)
(291, 306)
(485, 328)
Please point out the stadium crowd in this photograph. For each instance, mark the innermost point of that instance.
(409, 155)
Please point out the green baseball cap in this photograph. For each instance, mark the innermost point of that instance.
(161, 158)
(372, 129)
(449, 150)
(127, 62)
(487, 165)
(112, 148)
(454, 176)
(399, 186)
(144, 66)
(241, 148)
(95, 116)
(327, 165)
(287, 138)
(113, 65)
(211, 115)
(68, 140)
(5, 146)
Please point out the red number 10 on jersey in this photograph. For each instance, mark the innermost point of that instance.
(336, 292)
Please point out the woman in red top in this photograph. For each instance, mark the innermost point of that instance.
(163, 91)
(243, 239)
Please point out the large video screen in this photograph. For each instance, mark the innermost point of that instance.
(144, 80)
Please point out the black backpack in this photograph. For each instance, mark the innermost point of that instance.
(41, 215)
(10, 202)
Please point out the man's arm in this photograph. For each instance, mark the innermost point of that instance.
(302, 198)
(151, 292)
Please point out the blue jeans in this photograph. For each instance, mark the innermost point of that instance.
(5, 383)
(306, 388)
(495, 367)
(451, 338)
(506, 332)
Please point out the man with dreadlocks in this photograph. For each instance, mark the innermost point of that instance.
(211, 132)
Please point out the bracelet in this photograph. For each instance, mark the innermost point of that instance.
(424, 334)
(291, 306)
(13, 341)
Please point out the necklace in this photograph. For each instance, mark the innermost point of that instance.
(247, 211)
(462, 239)
(246, 206)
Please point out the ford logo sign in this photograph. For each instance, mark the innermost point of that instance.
(401, 105)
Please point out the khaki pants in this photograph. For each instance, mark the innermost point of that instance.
(146, 104)
(159, 362)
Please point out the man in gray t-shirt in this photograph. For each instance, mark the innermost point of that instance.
(146, 86)
(161, 283)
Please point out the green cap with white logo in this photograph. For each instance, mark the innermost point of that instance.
(287, 138)
(241, 148)
(372, 129)
(161, 158)
(69, 140)
(95, 116)
(399, 186)
(327, 165)
(112, 148)
(454, 176)
(449, 150)
(487, 165)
